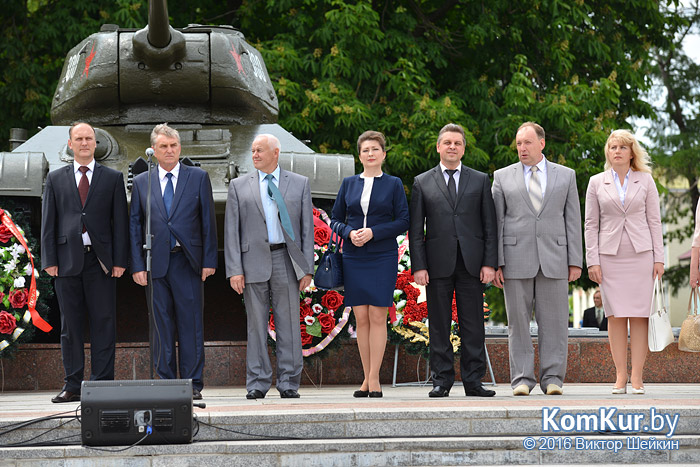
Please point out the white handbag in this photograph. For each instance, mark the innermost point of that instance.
(660, 332)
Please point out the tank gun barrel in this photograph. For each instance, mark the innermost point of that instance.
(158, 24)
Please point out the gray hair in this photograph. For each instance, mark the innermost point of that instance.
(165, 130)
(452, 128)
(271, 140)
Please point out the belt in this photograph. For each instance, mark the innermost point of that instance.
(176, 249)
(277, 246)
(87, 248)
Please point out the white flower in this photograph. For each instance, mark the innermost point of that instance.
(317, 308)
(315, 256)
(400, 305)
(308, 300)
(19, 282)
(28, 269)
(10, 266)
(309, 320)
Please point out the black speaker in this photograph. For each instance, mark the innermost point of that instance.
(124, 412)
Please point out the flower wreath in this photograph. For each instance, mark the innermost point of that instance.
(17, 302)
(410, 325)
(321, 314)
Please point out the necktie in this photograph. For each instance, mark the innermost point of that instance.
(599, 315)
(276, 195)
(83, 187)
(535, 188)
(451, 185)
(168, 195)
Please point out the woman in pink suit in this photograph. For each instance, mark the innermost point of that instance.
(625, 250)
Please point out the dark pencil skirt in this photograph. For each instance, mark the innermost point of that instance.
(370, 280)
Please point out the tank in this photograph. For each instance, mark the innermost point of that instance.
(205, 81)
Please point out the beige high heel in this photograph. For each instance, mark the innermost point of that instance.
(622, 390)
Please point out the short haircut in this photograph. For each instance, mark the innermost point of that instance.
(538, 129)
(75, 124)
(271, 140)
(165, 130)
(371, 136)
(452, 128)
(641, 162)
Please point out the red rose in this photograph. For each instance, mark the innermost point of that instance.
(304, 311)
(317, 213)
(322, 235)
(5, 234)
(8, 323)
(327, 322)
(412, 293)
(306, 338)
(272, 322)
(332, 300)
(18, 298)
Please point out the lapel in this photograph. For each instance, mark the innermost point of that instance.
(440, 181)
(184, 175)
(633, 187)
(96, 173)
(519, 181)
(283, 183)
(552, 173)
(69, 178)
(156, 194)
(611, 190)
(464, 175)
(254, 185)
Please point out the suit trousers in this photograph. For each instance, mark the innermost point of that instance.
(281, 292)
(177, 314)
(92, 293)
(549, 298)
(468, 292)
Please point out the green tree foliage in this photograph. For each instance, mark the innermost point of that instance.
(675, 131)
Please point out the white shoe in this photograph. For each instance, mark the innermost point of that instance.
(521, 390)
(637, 391)
(622, 390)
(554, 390)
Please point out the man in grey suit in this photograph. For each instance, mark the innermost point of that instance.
(269, 236)
(454, 253)
(539, 252)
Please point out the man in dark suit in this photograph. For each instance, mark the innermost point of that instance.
(269, 247)
(183, 255)
(84, 246)
(456, 254)
(594, 317)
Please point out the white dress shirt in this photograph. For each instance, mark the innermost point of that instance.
(621, 187)
(78, 175)
(272, 220)
(542, 167)
(164, 182)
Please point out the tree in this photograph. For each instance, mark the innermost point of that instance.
(675, 131)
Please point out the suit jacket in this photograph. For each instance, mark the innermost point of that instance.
(529, 240)
(471, 222)
(104, 216)
(387, 214)
(192, 221)
(590, 321)
(246, 245)
(606, 218)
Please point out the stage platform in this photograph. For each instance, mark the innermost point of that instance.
(328, 427)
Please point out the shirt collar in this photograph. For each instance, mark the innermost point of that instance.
(443, 168)
(76, 166)
(275, 174)
(616, 178)
(175, 171)
(541, 165)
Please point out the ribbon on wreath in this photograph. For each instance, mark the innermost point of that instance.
(37, 320)
(402, 251)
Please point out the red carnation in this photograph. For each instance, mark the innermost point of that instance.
(272, 322)
(412, 293)
(332, 300)
(322, 235)
(8, 323)
(306, 338)
(317, 213)
(327, 322)
(18, 298)
(304, 311)
(5, 234)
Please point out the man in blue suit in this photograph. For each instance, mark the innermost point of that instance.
(184, 255)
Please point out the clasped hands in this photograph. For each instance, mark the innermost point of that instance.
(361, 236)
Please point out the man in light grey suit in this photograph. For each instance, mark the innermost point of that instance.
(269, 236)
(539, 252)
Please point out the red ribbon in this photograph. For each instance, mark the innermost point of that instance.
(31, 301)
(402, 251)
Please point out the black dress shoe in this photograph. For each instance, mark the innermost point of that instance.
(196, 394)
(289, 394)
(375, 394)
(439, 391)
(66, 396)
(255, 394)
(360, 393)
(479, 391)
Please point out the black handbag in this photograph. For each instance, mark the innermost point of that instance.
(329, 274)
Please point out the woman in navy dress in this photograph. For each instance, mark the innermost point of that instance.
(370, 211)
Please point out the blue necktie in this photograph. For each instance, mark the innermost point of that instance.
(276, 195)
(168, 196)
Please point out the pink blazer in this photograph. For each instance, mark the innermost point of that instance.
(606, 217)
